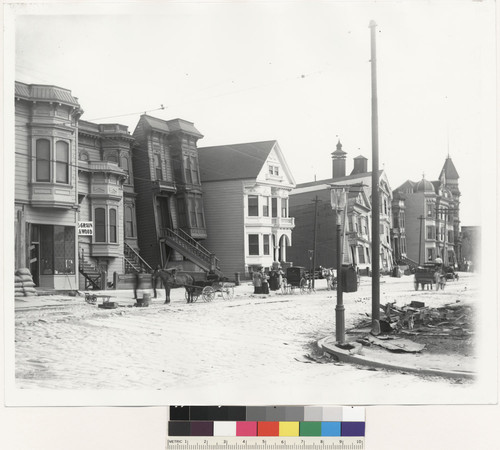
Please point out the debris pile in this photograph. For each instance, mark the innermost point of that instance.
(417, 321)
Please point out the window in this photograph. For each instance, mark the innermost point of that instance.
(450, 236)
(253, 244)
(265, 207)
(100, 224)
(194, 170)
(52, 165)
(274, 205)
(266, 244)
(42, 160)
(274, 170)
(199, 212)
(431, 232)
(191, 170)
(253, 205)
(57, 250)
(181, 209)
(129, 222)
(284, 207)
(158, 172)
(430, 254)
(192, 212)
(430, 210)
(62, 162)
(125, 167)
(361, 255)
(112, 226)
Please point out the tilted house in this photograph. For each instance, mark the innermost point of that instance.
(169, 202)
(245, 192)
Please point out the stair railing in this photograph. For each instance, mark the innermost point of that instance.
(129, 251)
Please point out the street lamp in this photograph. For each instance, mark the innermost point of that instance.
(338, 195)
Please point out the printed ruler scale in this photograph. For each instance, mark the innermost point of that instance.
(266, 428)
(270, 443)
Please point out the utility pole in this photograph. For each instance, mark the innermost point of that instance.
(421, 218)
(316, 200)
(375, 188)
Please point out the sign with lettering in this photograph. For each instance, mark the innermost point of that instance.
(85, 228)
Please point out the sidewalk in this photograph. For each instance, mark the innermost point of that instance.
(423, 363)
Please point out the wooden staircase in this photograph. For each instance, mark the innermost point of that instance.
(409, 262)
(133, 261)
(92, 275)
(191, 249)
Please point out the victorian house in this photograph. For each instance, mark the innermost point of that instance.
(170, 202)
(315, 219)
(245, 192)
(431, 218)
(46, 184)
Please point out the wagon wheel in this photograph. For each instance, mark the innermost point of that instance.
(208, 293)
(227, 291)
(303, 285)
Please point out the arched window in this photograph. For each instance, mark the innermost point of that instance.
(100, 224)
(42, 160)
(62, 162)
(112, 225)
(129, 222)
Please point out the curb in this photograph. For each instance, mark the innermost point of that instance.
(346, 356)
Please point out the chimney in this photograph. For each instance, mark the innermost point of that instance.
(360, 165)
(338, 162)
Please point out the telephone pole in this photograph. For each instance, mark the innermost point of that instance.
(375, 188)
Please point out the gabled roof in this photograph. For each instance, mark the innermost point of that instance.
(450, 172)
(233, 162)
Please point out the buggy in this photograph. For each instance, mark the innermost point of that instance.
(430, 274)
(297, 277)
(213, 284)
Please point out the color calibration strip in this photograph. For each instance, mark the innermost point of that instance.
(282, 421)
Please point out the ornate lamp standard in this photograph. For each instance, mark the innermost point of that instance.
(338, 195)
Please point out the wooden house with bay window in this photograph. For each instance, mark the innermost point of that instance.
(245, 193)
(46, 184)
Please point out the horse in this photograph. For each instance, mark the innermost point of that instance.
(172, 279)
(329, 276)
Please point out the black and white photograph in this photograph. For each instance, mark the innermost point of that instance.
(250, 203)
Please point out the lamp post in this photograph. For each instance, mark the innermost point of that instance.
(338, 202)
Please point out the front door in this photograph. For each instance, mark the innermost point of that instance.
(34, 254)
(164, 212)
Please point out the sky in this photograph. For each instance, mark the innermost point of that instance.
(295, 72)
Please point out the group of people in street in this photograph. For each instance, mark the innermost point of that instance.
(264, 281)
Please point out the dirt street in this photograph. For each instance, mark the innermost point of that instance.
(222, 348)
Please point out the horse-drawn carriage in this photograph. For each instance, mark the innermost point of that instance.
(297, 277)
(430, 274)
(206, 289)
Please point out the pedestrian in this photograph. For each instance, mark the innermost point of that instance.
(265, 284)
(257, 282)
(137, 281)
(154, 280)
(273, 280)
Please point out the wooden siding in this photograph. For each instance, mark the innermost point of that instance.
(22, 155)
(224, 215)
(302, 208)
(144, 204)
